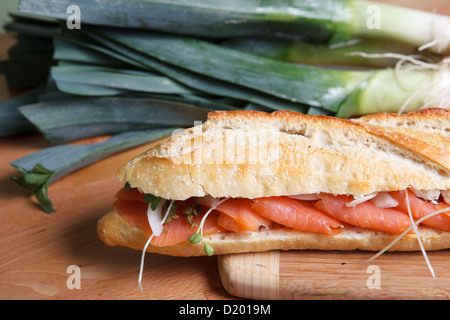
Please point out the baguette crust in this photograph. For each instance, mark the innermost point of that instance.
(301, 154)
(113, 230)
(429, 125)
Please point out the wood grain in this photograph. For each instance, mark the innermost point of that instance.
(251, 275)
(305, 275)
(37, 248)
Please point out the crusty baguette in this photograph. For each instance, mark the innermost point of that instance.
(314, 154)
(307, 154)
(113, 230)
(429, 125)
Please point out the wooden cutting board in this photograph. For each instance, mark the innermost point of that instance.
(335, 275)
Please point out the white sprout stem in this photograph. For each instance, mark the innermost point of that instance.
(417, 235)
(400, 236)
(167, 212)
(200, 229)
(141, 268)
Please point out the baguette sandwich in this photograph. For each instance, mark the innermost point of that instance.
(249, 181)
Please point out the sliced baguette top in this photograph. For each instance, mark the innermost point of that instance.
(254, 154)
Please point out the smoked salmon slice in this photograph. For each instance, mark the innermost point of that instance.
(296, 214)
(132, 194)
(420, 208)
(240, 210)
(329, 215)
(177, 231)
(134, 213)
(365, 215)
(228, 223)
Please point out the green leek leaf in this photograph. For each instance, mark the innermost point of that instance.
(198, 81)
(324, 21)
(12, 122)
(82, 89)
(315, 86)
(128, 80)
(34, 28)
(66, 120)
(37, 180)
(345, 54)
(74, 49)
(43, 167)
(302, 20)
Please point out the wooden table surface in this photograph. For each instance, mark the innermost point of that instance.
(36, 249)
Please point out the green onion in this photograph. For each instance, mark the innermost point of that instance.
(43, 167)
(325, 22)
(61, 121)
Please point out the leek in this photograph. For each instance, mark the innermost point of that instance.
(12, 122)
(69, 51)
(72, 49)
(40, 169)
(297, 83)
(61, 121)
(345, 54)
(389, 90)
(88, 89)
(33, 25)
(129, 80)
(200, 82)
(324, 22)
(343, 92)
